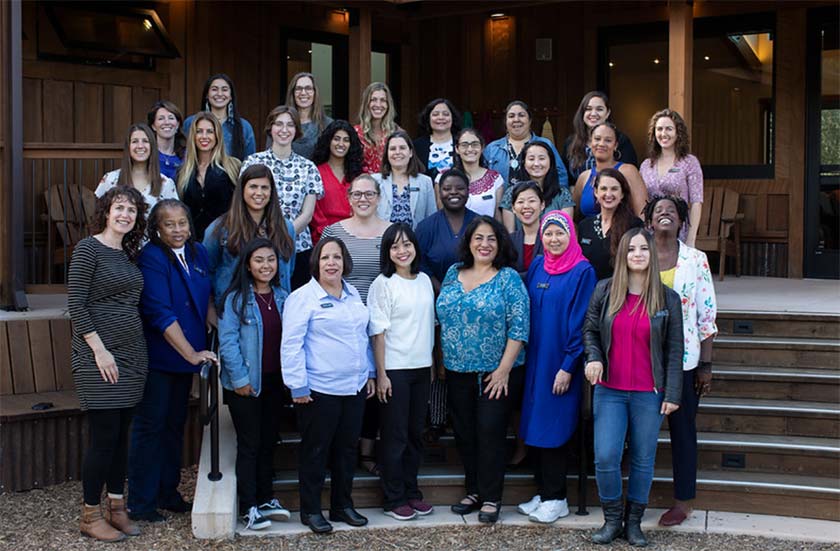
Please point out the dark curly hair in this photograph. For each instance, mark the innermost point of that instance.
(133, 240)
(681, 146)
(679, 202)
(153, 227)
(355, 155)
(424, 126)
(505, 255)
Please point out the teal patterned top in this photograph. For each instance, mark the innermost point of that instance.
(475, 326)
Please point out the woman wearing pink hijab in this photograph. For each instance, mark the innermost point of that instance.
(560, 284)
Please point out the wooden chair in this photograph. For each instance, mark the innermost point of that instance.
(70, 210)
(720, 226)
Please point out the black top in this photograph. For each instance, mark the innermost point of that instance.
(627, 154)
(210, 201)
(518, 239)
(596, 247)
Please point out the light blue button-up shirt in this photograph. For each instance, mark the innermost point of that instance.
(325, 344)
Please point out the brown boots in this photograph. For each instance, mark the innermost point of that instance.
(114, 526)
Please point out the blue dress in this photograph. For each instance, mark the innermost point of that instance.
(558, 308)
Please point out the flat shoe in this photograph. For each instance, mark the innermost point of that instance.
(489, 518)
(466, 508)
(672, 517)
(317, 523)
(349, 516)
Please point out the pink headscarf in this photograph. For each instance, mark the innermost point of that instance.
(573, 254)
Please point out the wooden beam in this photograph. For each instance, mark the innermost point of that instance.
(680, 52)
(359, 54)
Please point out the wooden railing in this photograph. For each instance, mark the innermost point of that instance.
(59, 179)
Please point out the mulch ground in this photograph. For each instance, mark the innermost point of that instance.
(49, 520)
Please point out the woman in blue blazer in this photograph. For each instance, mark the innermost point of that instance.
(173, 306)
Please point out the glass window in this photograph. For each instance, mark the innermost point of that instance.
(379, 67)
(315, 58)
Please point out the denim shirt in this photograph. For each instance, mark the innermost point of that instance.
(241, 344)
(496, 155)
(248, 140)
(223, 264)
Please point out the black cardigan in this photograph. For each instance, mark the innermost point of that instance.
(422, 145)
(208, 203)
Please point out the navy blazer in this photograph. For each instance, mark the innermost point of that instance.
(169, 295)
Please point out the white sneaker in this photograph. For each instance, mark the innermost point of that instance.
(253, 520)
(549, 511)
(529, 506)
(274, 511)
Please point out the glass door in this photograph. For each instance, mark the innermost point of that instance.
(325, 56)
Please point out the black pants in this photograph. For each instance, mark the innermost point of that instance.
(551, 470)
(682, 425)
(301, 274)
(255, 419)
(480, 426)
(107, 453)
(401, 444)
(370, 419)
(329, 430)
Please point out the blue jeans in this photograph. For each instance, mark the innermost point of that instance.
(614, 412)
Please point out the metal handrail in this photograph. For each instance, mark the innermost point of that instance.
(209, 408)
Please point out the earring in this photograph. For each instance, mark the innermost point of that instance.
(230, 110)
(158, 233)
(617, 155)
(206, 105)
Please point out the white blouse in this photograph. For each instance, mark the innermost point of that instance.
(167, 188)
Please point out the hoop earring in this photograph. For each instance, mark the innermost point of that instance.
(206, 105)
(617, 155)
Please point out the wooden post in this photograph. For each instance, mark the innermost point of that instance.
(359, 54)
(680, 56)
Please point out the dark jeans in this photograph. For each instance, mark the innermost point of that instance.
(255, 419)
(301, 274)
(480, 426)
(329, 430)
(682, 425)
(551, 470)
(157, 441)
(401, 437)
(107, 453)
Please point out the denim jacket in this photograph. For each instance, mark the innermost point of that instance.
(241, 344)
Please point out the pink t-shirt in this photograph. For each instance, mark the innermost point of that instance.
(629, 362)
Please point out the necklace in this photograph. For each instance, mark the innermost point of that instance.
(265, 301)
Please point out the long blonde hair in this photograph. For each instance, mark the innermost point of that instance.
(653, 296)
(365, 118)
(219, 158)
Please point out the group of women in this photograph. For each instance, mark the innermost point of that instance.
(374, 281)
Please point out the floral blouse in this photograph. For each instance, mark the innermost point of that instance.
(371, 153)
(401, 207)
(475, 325)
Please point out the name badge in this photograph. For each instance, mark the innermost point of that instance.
(514, 164)
(199, 271)
(586, 241)
(542, 285)
(487, 197)
(326, 305)
(673, 170)
(410, 189)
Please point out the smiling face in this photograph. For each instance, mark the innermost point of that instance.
(608, 193)
(378, 104)
(139, 147)
(219, 94)
(304, 93)
(595, 112)
(469, 147)
(454, 193)
(518, 123)
(402, 253)
(483, 244)
(205, 135)
(165, 124)
(603, 143)
(440, 119)
(256, 193)
(263, 266)
(363, 197)
(399, 154)
(527, 207)
(122, 215)
(537, 163)
(665, 218)
(638, 255)
(340, 144)
(666, 132)
(330, 265)
(283, 129)
(555, 239)
(174, 227)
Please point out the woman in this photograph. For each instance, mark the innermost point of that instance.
(166, 119)
(686, 271)
(250, 327)
(486, 186)
(538, 165)
(140, 168)
(439, 122)
(503, 155)
(593, 110)
(483, 314)
(600, 234)
(338, 156)
(329, 396)
(407, 195)
(206, 181)
(671, 169)
(174, 304)
(528, 205)
(219, 97)
(377, 114)
(254, 212)
(560, 284)
(603, 142)
(303, 93)
(297, 179)
(402, 323)
(633, 339)
(109, 354)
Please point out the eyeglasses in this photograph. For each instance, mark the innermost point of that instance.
(356, 195)
(307, 89)
(469, 145)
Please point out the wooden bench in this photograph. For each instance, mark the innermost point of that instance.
(70, 209)
(720, 226)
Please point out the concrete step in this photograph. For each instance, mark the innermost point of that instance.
(776, 383)
(767, 324)
(777, 351)
(773, 417)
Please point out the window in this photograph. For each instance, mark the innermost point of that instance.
(325, 56)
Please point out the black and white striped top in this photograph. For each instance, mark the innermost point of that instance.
(103, 288)
(365, 254)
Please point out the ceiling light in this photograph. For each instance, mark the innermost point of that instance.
(656, 61)
(612, 64)
(497, 15)
(706, 57)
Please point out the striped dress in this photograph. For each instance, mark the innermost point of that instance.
(365, 254)
(103, 289)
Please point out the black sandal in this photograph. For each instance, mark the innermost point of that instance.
(490, 518)
(462, 508)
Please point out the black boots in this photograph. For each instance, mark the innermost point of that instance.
(613, 515)
(632, 524)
